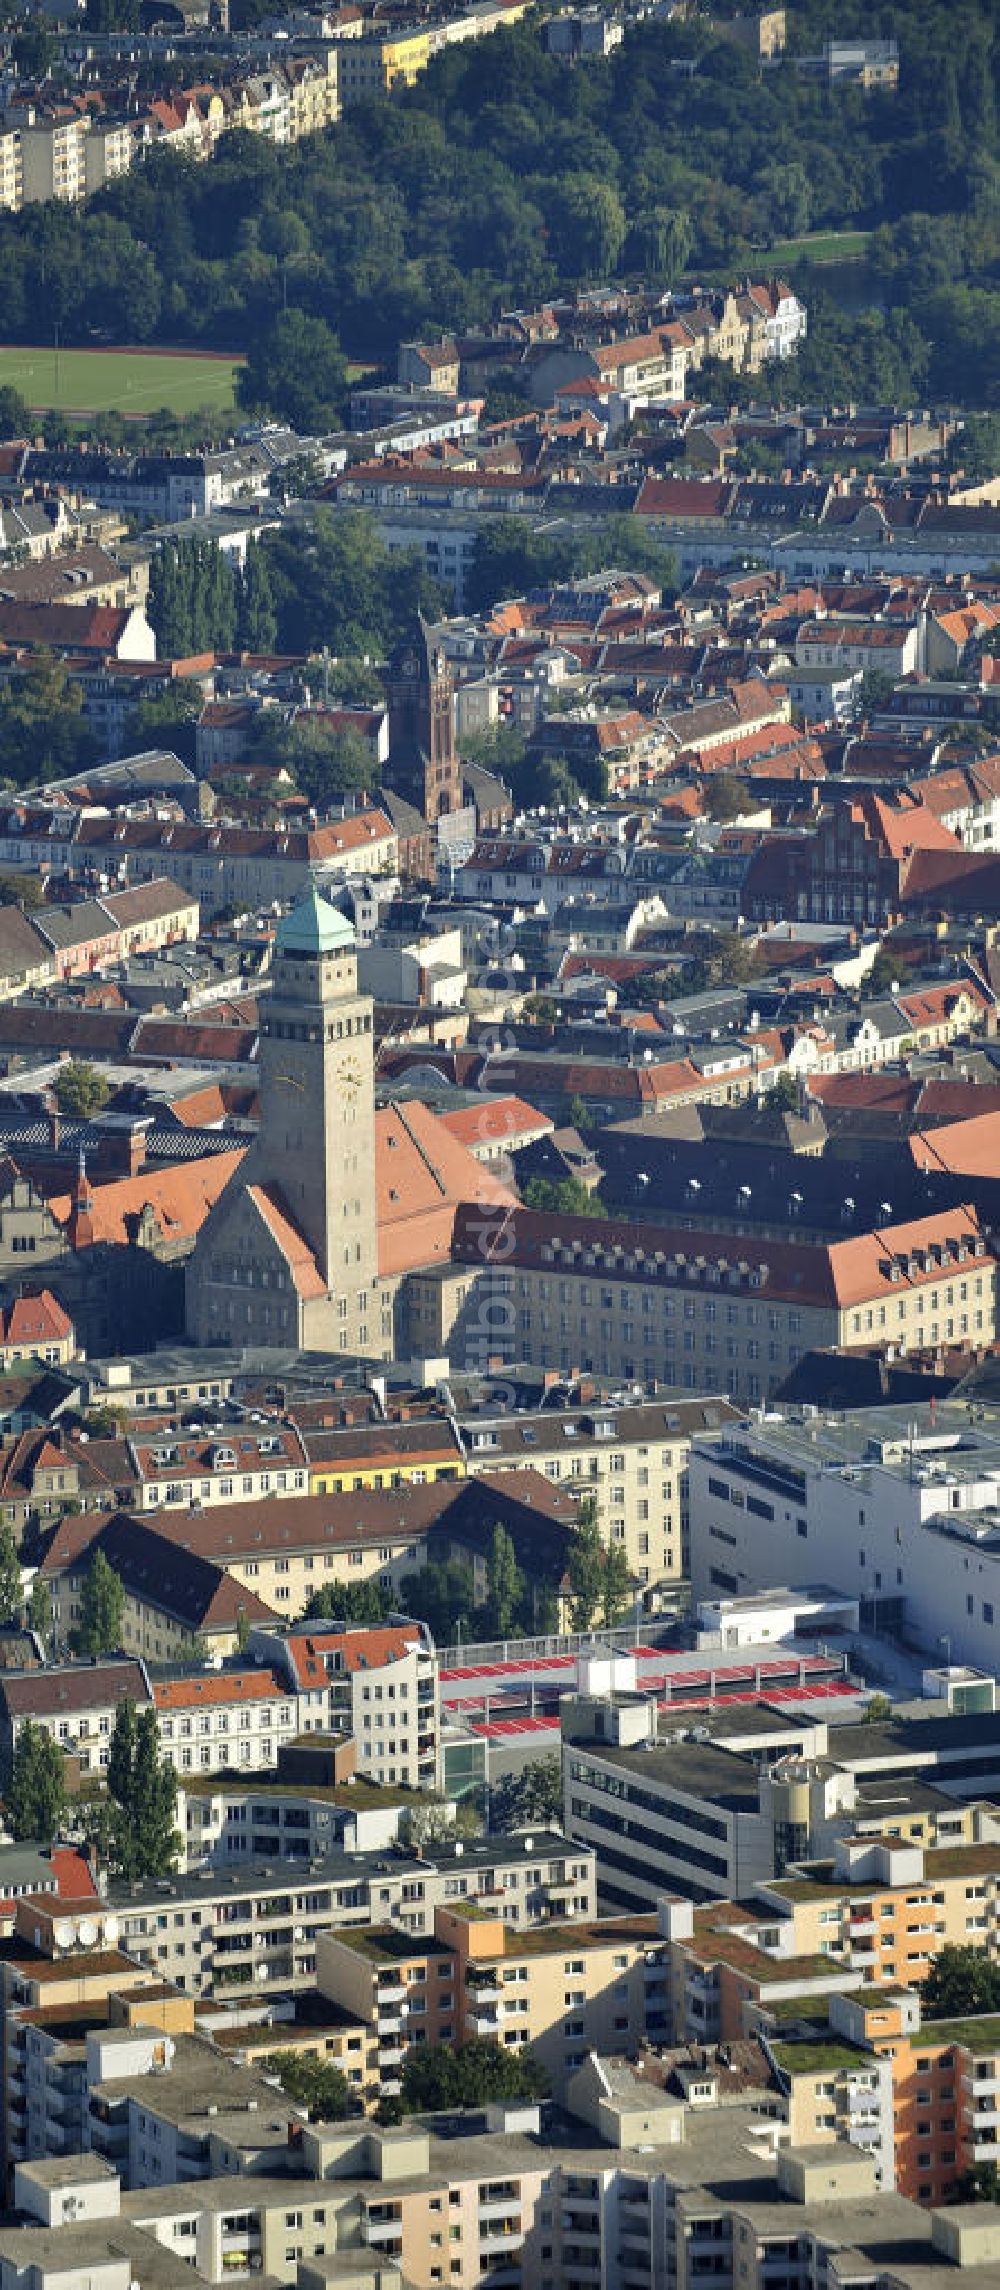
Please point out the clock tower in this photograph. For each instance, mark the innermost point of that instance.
(289, 1254)
(317, 1091)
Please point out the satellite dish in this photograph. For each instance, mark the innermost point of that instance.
(111, 1930)
(64, 1933)
(88, 1933)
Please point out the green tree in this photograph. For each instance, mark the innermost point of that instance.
(24, 891)
(294, 369)
(878, 1709)
(143, 1786)
(80, 1089)
(15, 417)
(875, 690)
(36, 1792)
(783, 1095)
(442, 1594)
(256, 619)
(364, 1603)
(11, 1589)
(102, 1609)
(888, 970)
(314, 2083)
(325, 760)
(437, 2076)
(505, 1583)
(43, 732)
(563, 1196)
(170, 720)
(725, 796)
(961, 1981)
(600, 1583)
(588, 226)
(975, 448)
(577, 1114)
(518, 1800)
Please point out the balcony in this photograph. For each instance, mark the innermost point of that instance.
(390, 1992)
(379, 2230)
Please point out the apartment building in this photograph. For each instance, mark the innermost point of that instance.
(74, 1703)
(649, 1303)
(235, 1465)
(177, 1603)
(896, 1507)
(919, 2095)
(379, 1685)
(562, 1989)
(641, 2192)
(54, 157)
(864, 1924)
(352, 1456)
(631, 1460)
(62, 1970)
(216, 1720)
(230, 1935)
(309, 1808)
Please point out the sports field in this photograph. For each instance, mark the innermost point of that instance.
(133, 382)
(815, 246)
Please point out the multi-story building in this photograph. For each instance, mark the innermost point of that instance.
(75, 1705)
(632, 1461)
(185, 1467)
(218, 1720)
(245, 1933)
(897, 1507)
(563, 1989)
(54, 157)
(60, 1971)
(380, 1686)
(648, 1303)
(376, 1455)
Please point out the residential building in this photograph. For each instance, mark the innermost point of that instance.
(230, 1934)
(36, 1328)
(74, 1703)
(219, 1721)
(562, 1989)
(631, 1461)
(380, 1686)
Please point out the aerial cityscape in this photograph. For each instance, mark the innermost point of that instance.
(500, 1145)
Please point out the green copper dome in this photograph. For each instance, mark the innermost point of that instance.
(315, 927)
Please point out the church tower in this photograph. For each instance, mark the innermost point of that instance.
(423, 765)
(289, 1253)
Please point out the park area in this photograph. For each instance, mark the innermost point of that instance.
(135, 383)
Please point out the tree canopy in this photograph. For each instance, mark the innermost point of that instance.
(961, 1980)
(79, 1088)
(36, 1791)
(102, 1609)
(315, 2083)
(143, 1786)
(501, 179)
(436, 2076)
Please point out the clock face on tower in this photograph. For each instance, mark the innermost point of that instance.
(349, 1077)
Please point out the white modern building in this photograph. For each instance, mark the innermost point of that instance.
(897, 1508)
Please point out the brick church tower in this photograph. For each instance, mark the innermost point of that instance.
(423, 763)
